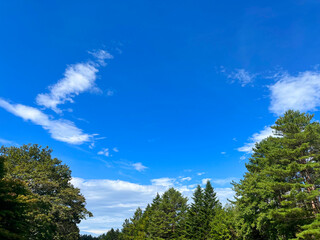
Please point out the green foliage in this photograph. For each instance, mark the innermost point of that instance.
(110, 235)
(279, 195)
(222, 225)
(15, 201)
(196, 216)
(88, 237)
(59, 206)
(163, 219)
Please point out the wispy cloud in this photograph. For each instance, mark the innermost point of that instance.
(242, 76)
(200, 173)
(7, 142)
(101, 55)
(61, 129)
(256, 137)
(78, 78)
(300, 92)
(185, 179)
(112, 201)
(105, 152)
(139, 166)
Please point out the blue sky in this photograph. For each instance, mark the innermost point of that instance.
(138, 96)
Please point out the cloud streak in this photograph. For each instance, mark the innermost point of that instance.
(61, 129)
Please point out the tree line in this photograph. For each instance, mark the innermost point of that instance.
(278, 197)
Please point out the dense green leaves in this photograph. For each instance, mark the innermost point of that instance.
(59, 207)
(279, 195)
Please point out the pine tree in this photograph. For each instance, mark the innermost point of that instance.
(210, 204)
(279, 195)
(196, 217)
(167, 216)
(222, 225)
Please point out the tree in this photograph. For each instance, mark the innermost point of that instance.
(60, 206)
(210, 204)
(110, 235)
(279, 195)
(167, 220)
(196, 216)
(135, 227)
(15, 201)
(201, 212)
(87, 237)
(222, 225)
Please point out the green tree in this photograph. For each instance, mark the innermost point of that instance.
(210, 204)
(87, 237)
(15, 201)
(201, 212)
(196, 216)
(168, 219)
(222, 225)
(60, 205)
(279, 195)
(110, 235)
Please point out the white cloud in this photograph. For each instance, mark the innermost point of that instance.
(104, 151)
(223, 153)
(115, 149)
(200, 173)
(186, 179)
(112, 201)
(224, 194)
(223, 181)
(243, 76)
(299, 92)
(61, 129)
(257, 137)
(78, 78)
(165, 182)
(139, 166)
(205, 180)
(101, 56)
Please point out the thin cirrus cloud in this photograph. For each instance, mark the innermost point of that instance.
(242, 76)
(61, 129)
(112, 201)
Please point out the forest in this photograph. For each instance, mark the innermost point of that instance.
(277, 198)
